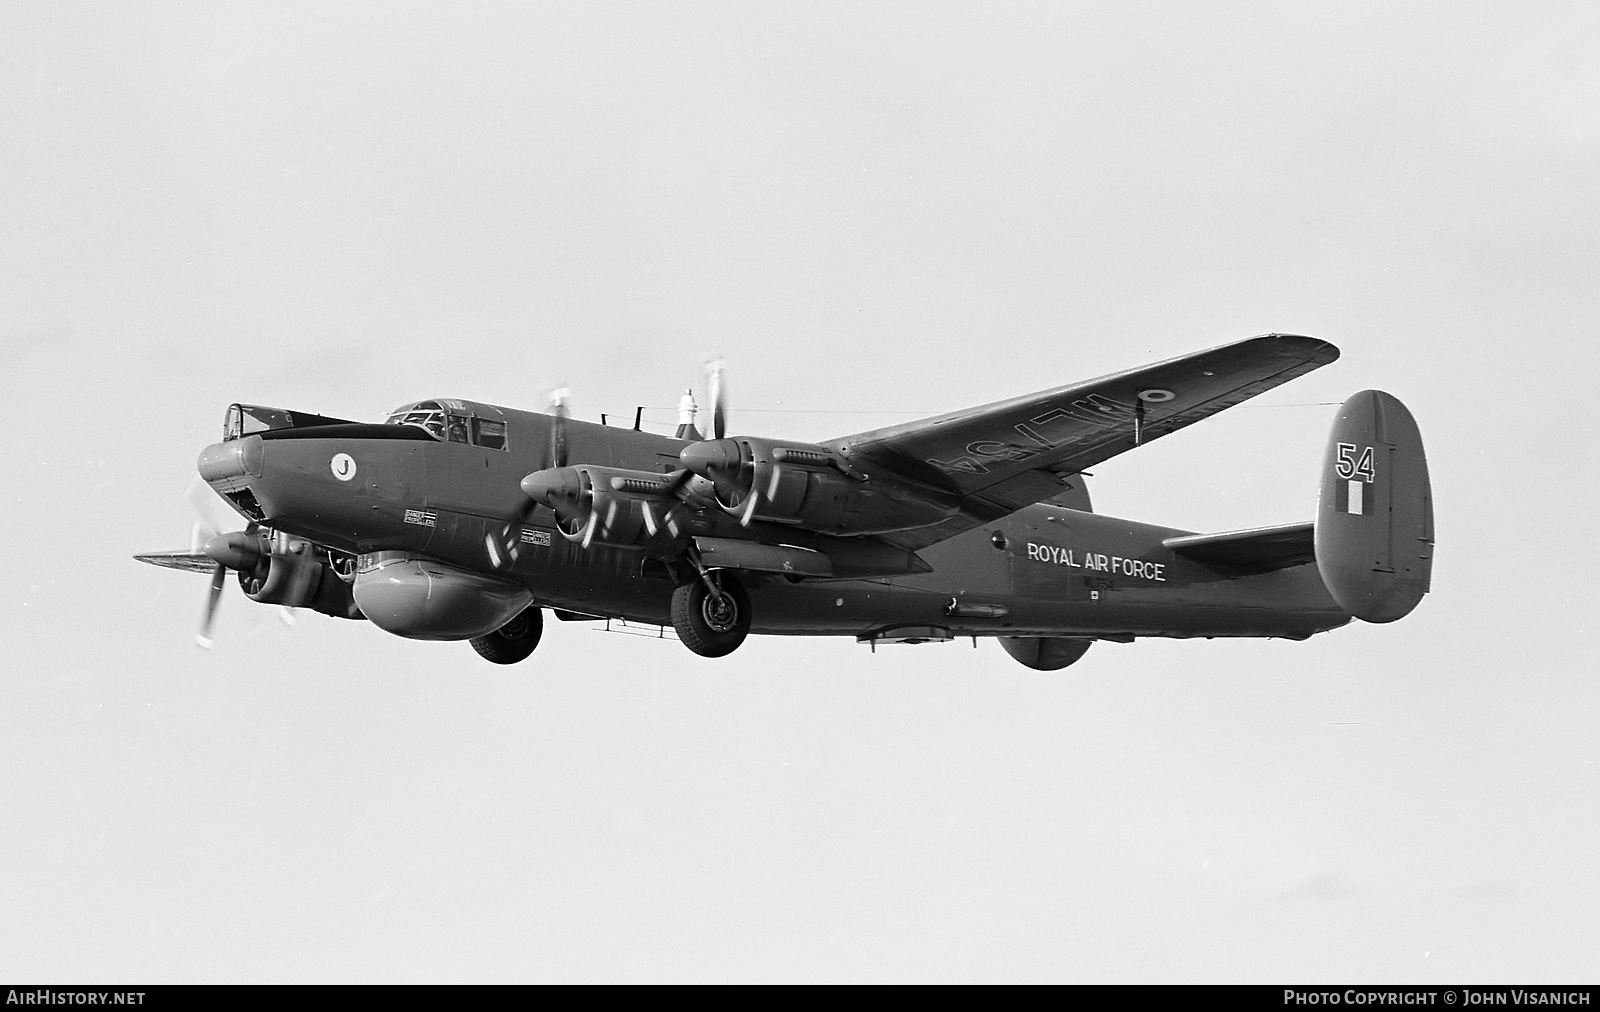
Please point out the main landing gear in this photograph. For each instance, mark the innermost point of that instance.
(711, 614)
(513, 641)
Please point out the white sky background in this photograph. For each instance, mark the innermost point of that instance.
(887, 208)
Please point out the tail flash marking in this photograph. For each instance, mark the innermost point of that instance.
(1351, 498)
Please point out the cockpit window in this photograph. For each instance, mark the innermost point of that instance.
(244, 419)
(427, 415)
(491, 435)
(449, 426)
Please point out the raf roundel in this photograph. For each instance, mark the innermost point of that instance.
(343, 466)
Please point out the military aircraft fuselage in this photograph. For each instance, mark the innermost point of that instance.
(1046, 570)
(457, 520)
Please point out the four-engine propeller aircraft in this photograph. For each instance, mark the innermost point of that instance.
(456, 520)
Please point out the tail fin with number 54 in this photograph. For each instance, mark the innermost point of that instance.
(1374, 529)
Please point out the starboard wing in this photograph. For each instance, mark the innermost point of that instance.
(993, 460)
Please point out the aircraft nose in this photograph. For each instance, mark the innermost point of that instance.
(710, 455)
(230, 465)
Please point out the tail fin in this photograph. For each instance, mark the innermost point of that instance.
(1374, 529)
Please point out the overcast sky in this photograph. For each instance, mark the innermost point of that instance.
(871, 210)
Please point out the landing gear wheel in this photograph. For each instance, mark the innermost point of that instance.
(712, 625)
(513, 641)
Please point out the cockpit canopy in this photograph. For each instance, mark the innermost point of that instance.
(453, 421)
(247, 419)
(448, 421)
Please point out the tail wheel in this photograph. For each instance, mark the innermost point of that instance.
(711, 624)
(513, 641)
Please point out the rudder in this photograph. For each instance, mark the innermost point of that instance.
(1374, 530)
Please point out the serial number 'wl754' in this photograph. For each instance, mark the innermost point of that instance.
(1098, 561)
(1055, 427)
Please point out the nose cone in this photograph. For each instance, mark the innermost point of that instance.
(711, 455)
(230, 465)
(552, 484)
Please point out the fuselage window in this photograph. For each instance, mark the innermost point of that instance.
(489, 434)
(456, 427)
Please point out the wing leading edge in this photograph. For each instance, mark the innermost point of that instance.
(188, 562)
(993, 460)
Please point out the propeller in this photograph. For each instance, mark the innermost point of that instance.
(505, 545)
(213, 522)
(212, 516)
(567, 491)
(716, 390)
(725, 464)
(593, 502)
(219, 575)
(718, 458)
(244, 550)
(240, 550)
(557, 455)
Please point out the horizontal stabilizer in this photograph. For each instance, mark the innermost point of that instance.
(189, 562)
(1261, 550)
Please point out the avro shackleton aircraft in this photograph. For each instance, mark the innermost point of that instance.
(455, 520)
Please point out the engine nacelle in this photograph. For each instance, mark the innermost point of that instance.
(804, 485)
(614, 506)
(421, 599)
(290, 572)
(760, 479)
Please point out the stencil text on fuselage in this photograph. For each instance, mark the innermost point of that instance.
(1098, 561)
